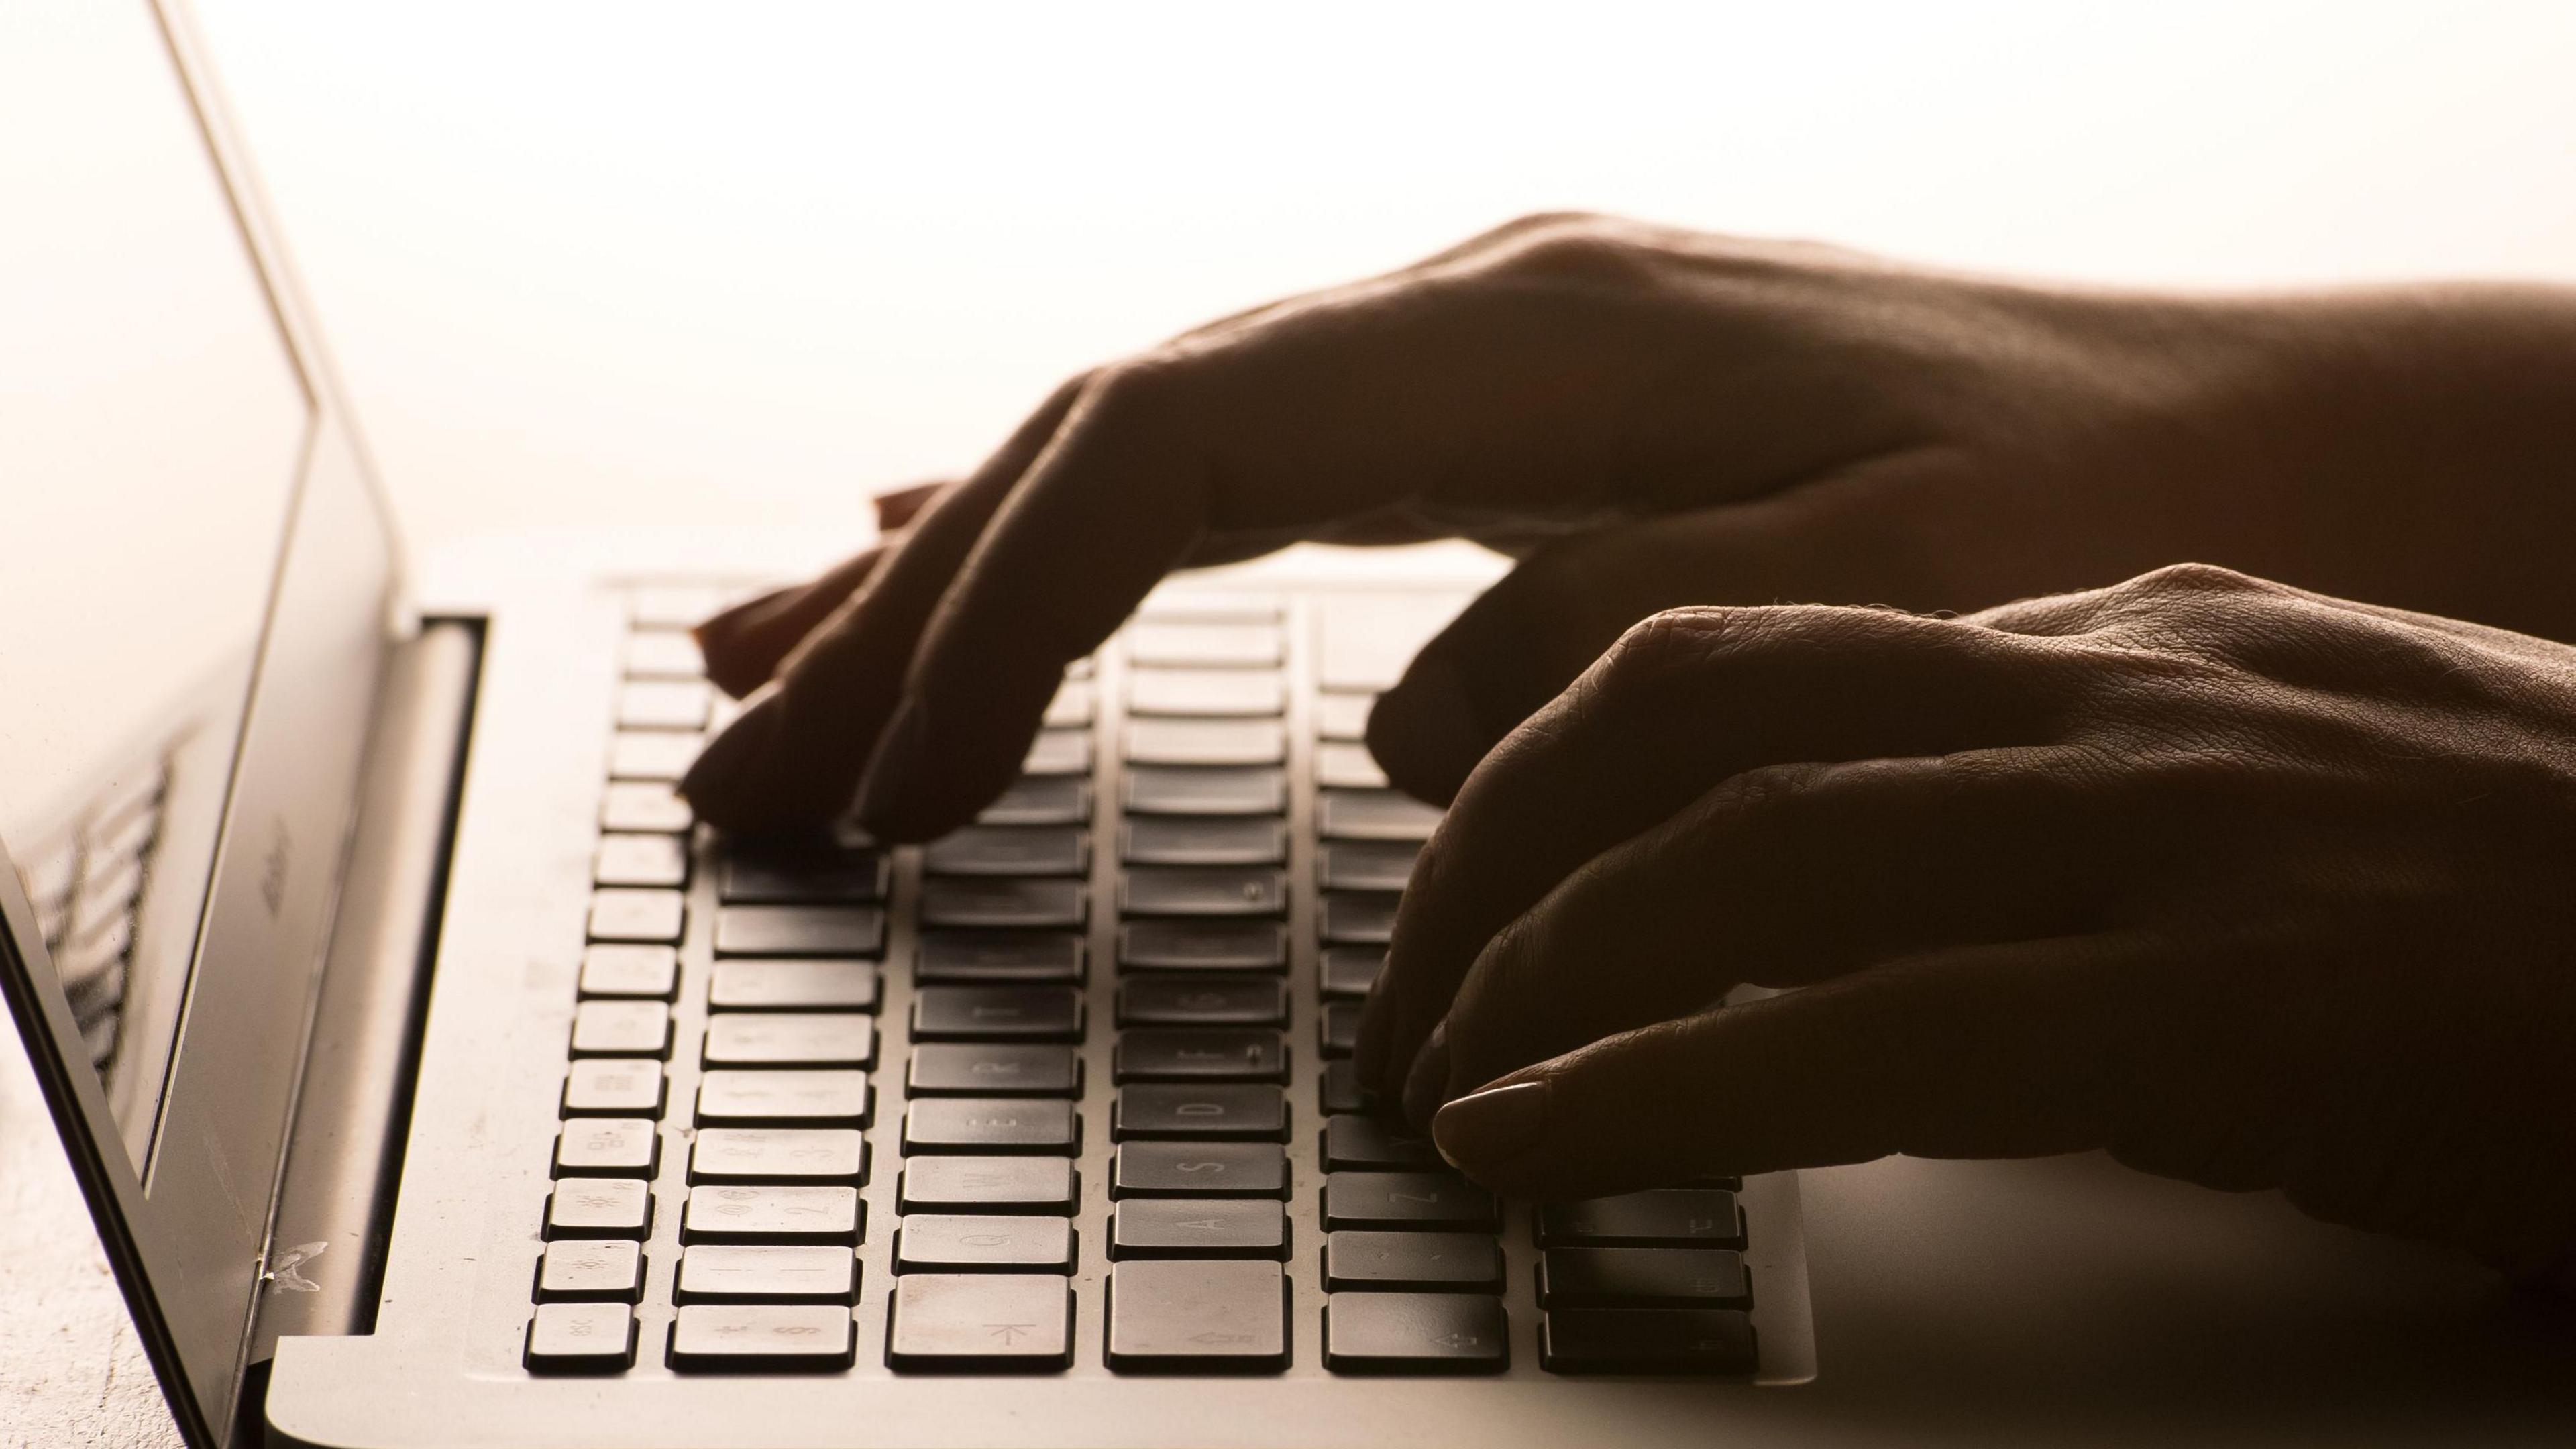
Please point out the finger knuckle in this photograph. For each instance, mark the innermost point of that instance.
(1589, 250)
(1662, 646)
(1542, 223)
(2197, 580)
(1768, 803)
(1140, 388)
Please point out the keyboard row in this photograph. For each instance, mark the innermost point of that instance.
(1171, 1316)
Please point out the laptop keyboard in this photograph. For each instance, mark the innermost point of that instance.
(940, 1018)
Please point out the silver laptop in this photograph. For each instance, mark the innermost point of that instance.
(435, 1081)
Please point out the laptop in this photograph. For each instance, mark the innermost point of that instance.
(434, 1079)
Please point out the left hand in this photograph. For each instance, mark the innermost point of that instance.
(2251, 886)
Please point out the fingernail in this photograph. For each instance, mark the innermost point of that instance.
(736, 754)
(1425, 731)
(1492, 1126)
(1426, 1083)
(898, 757)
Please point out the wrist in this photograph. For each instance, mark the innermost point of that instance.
(2408, 446)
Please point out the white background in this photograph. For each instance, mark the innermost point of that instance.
(586, 258)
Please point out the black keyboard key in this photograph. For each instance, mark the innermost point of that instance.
(1030, 800)
(1216, 840)
(1416, 1262)
(1355, 1141)
(1177, 790)
(1340, 1089)
(1646, 1341)
(1199, 1054)
(791, 1039)
(1337, 1028)
(766, 1273)
(1206, 742)
(1199, 1170)
(788, 875)
(1198, 1317)
(1342, 716)
(994, 1069)
(1198, 645)
(1664, 1217)
(1373, 815)
(799, 1213)
(672, 606)
(985, 1013)
(1365, 865)
(664, 704)
(1010, 850)
(647, 916)
(613, 1028)
(1217, 1110)
(605, 1271)
(762, 1338)
(1004, 904)
(793, 986)
(1349, 970)
(608, 1147)
(1189, 603)
(1359, 917)
(983, 1243)
(1203, 1001)
(801, 1097)
(615, 970)
(1203, 946)
(1416, 1333)
(644, 805)
(800, 931)
(778, 1154)
(1347, 766)
(1203, 891)
(641, 860)
(1199, 1228)
(1406, 1200)
(1072, 706)
(992, 1125)
(1206, 693)
(980, 1323)
(989, 1185)
(599, 1207)
(1058, 753)
(662, 756)
(662, 654)
(973, 957)
(613, 1087)
(580, 1338)
(1642, 1278)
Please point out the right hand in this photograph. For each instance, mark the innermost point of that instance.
(1650, 418)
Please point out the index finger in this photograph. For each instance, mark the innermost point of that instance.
(1684, 702)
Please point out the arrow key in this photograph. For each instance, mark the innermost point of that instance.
(1416, 1333)
(980, 1323)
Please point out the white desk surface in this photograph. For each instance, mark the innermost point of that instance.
(596, 260)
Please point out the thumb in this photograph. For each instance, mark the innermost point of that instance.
(1996, 1051)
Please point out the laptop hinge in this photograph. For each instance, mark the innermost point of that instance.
(325, 1256)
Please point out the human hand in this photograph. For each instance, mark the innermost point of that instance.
(2251, 886)
(1652, 418)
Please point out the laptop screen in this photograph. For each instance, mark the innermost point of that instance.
(153, 422)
